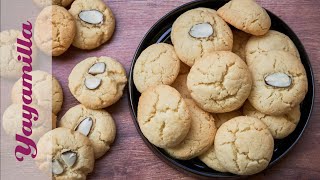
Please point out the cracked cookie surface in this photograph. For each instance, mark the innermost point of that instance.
(244, 145)
(219, 82)
(60, 140)
(110, 90)
(279, 126)
(158, 64)
(46, 91)
(90, 36)
(188, 48)
(44, 3)
(54, 30)
(271, 100)
(247, 16)
(163, 116)
(200, 136)
(103, 130)
(240, 40)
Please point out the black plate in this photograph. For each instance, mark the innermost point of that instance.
(160, 32)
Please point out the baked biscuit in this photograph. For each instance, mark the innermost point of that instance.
(198, 32)
(211, 160)
(221, 118)
(180, 84)
(44, 3)
(240, 40)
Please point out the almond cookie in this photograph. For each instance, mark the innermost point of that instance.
(66, 154)
(95, 23)
(244, 145)
(247, 16)
(279, 82)
(44, 3)
(180, 84)
(219, 82)
(240, 40)
(43, 85)
(221, 118)
(97, 125)
(200, 136)
(54, 30)
(97, 82)
(163, 116)
(279, 126)
(198, 32)
(158, 64)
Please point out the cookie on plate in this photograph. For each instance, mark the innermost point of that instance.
(46, 91)
(95, 23)
(211, 160)
(97, 125)
(279, 82)
(54, 30)
(97, 82)
(240, 40)
(180, 84)
(66, 154)
(219, 82)
(158, 64)
(221, 118)
(44, 3)
(244, 145)
(200, 136)
(198, 32)
(247, 16)
(279, 126)
(163, 116)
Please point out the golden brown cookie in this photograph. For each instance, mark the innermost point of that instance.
(211, 160)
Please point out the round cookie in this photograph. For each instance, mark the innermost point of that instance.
(163, 116)
(219, 82)
(66, 154)
(43, 84)
(244, 145)
(279, 126)
(221, 118)
(240, 40)
(247, 16)
(54, 30)
(10, 66)
(97, 82)
(158, 64)
(97, 125)
(12, 122)
(180, 84)
(279, 82)
(44, 3)
(95, 23)
(200, 136)
(211, 160)
(198, 32)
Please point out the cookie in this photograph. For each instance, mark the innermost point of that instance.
(97, 82)
(43, 84)
(12, 121)
(244, 145)
(279, 82)
(10, 66)
(54, 30)
(180, 84)
(44, 3)
(97, 125)
(163, 116)
(66, 154)
(211, 160)
(200, 136)
(219, 82)
(198, 32)
(240, 40)
(247, 16)
(95, 23)
(158, 64)
(221, 118)
(273, 40)
(279, 126)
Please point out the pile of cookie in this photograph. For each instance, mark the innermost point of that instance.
(218, 93)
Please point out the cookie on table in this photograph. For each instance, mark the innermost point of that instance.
(97, 82)
(211, 160)
(66, 154)
(221, 118)
(46, 91)
(279, 82)
(44, 3)
(95, 23)
(279, 126)
(54, 30)
(200, 137)
(158, 64)
(198, 32)
(244, 145)
(219, 82)
(180, 84)
(247, 16)
(163, 116)
(240, 40)
(97, 125)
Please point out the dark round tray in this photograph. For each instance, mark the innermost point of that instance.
(160, 32)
